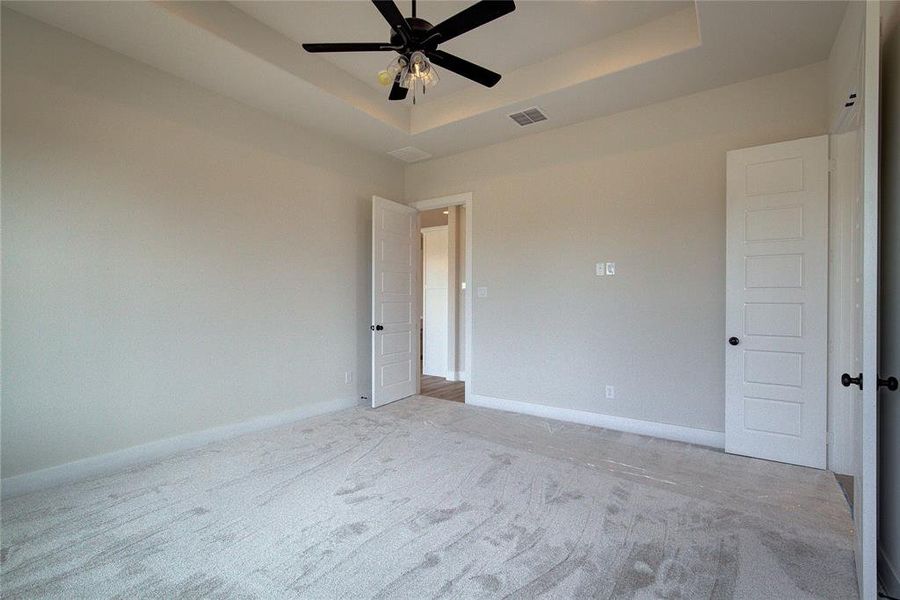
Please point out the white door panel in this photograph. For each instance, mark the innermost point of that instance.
(865, 497)
(776, 301)
(395, 285)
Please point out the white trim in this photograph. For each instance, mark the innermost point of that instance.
(702, 437)
(443, 201)
(111, 462)
(433, 228)
(456, 376)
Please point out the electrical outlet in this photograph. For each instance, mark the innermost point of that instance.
(610, 391)
(348, 377)
(482, 292)
(610, 268)
(600, 269)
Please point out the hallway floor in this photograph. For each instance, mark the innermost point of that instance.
(438, 387)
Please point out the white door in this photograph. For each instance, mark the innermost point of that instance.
(436, 274)
(889, 310)
(776, 312)
(865, 484)
(395, 285)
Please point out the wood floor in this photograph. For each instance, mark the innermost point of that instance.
(438, 387)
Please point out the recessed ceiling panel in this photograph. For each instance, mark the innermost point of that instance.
(534, 32)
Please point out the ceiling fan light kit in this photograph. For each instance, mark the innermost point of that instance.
(416, 42)
(394, 68)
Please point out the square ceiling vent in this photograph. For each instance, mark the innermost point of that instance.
(409, 154)
(529, 116)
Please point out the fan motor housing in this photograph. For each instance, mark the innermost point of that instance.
(420, 29)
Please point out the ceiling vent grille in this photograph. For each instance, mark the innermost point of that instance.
(409, 154)
(528, 116)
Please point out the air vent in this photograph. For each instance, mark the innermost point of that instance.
(409, 154)
(528, 116)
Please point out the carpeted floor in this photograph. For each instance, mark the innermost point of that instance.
(427, 498)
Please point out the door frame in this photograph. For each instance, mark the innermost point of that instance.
(462, 199)
(866, 483)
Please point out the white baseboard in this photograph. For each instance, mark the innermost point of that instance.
(887, 574)
(702, 437)
(104, 464)
(456, 375)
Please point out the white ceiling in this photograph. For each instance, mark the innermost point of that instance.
(534, 32)
(576, 60)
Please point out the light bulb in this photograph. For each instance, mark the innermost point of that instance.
(388, 76)
(418, 65)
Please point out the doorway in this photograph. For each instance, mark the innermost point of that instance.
(443, 315)
(397, 300)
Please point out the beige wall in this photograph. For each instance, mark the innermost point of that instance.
(461, 294)
(432, 218)
(646, 189)
(172, 260)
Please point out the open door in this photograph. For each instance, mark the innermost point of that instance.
(889, 310)
(865, 503)
(395, 289)
(776, 310)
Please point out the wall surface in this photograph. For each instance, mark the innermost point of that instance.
(889, 306)
(845, 67)
(172, 260)
(461, 294)
(646, 189)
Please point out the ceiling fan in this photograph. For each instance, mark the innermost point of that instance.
(416, 42)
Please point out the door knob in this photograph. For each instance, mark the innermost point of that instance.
(376, 327)
(847, 381)
(890, 383)
(734, 341)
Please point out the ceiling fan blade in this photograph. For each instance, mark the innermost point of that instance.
(349, 47)
(397, 92)
(468, 19)
(476, 73)
(394, 17)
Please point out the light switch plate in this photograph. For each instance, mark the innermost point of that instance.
(610, 268)
(482, 292)
(610, 391)
(600, 269)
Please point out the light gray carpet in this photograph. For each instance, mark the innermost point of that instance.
(428, 498)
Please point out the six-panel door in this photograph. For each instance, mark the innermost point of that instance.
(776, 302)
